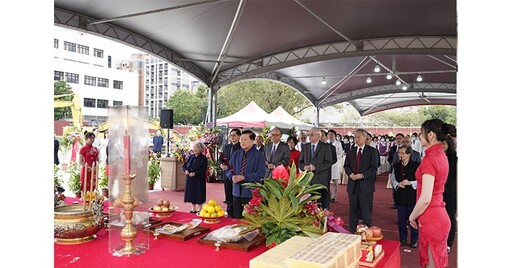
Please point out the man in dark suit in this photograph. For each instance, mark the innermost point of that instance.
(315, 156)
(259, 144)
(227, 152)
(276, 152)
(361, 168)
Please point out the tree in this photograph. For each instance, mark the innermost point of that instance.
(267, 94)
(188, 108)
(446, 113)
(61, 88)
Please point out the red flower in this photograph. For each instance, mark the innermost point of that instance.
(280, 172)
(256, 201)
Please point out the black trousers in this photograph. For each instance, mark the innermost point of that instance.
(360, 207)
(451, 209)
(238, 205)
(404, 211)
(228, 192)
(325, 198)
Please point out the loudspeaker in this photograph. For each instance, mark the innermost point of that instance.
(166, 118)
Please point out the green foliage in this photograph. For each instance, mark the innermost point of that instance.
(57, 180)
(189, 108)
(60, 88)
(103, 179)
(74, 177)
(390, 118)
(287, 208)
(446, 113)
(153, 170)
(267, 94)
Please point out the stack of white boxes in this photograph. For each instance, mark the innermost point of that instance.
(331, 250)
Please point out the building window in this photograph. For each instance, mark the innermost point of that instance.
(102, 82)
(118, 103)
(69, 46)
(102, 104)
(118, 84)
(72, 78)
(98, 53)
(89, 102)
(90, 80)
(55, 43)
(82, 49)
(58, 75)
(109, 61)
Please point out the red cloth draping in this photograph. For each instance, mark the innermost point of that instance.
(166, 252)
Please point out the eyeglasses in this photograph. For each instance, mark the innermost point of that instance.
(313, 134)
(275, 135)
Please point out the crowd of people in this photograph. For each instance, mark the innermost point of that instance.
(422, 173)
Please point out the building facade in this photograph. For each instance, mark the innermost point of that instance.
(88, 66)
(105, 74)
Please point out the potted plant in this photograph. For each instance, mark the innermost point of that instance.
(74, 179)
(153, 171)
(103, 181)
(282, 208)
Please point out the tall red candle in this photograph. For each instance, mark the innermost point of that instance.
(126, 140)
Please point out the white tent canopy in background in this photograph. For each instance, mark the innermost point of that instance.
(251, 116)
(282, 119)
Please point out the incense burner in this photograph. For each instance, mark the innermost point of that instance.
(74, 225)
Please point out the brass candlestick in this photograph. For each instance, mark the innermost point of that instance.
(129, 232)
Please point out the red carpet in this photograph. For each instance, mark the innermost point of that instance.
(383, 215)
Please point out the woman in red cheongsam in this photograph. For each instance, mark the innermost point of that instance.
(88, 154)
(429, 213)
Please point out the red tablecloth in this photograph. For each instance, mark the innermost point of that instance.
(166, 252)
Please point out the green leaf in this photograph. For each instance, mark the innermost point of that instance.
(275, 187)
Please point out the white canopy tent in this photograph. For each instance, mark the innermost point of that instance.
(282, 119)
(251, 116)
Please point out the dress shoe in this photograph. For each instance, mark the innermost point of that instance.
(333, 200)
(193, 211)
(403, 242)
(414, 245)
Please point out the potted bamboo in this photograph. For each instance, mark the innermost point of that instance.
(153, 171)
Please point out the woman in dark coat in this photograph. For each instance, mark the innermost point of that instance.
(195, 182)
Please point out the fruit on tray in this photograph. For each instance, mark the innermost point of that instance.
(211, 210)
(163, 206)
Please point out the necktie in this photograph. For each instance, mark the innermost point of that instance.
(359, 153)
(242, 168)
(272, 153)
(312, 151)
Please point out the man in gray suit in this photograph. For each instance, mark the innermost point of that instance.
(276, 153)
(316, 157)
(361, 167)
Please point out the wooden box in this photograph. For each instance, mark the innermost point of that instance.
(183, 235)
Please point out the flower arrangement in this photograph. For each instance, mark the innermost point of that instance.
(181, 153)
(283, 208)
(70, 135)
